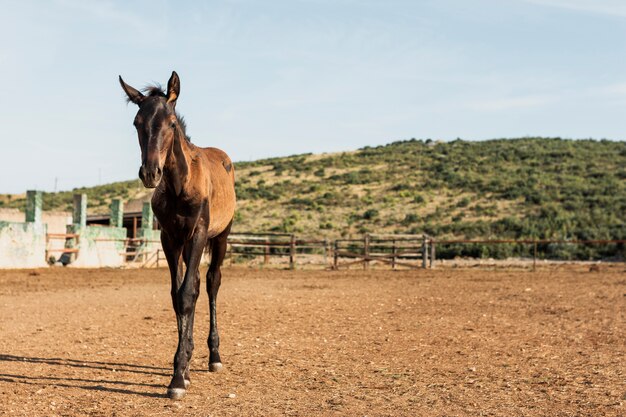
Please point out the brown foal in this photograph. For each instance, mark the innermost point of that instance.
(194, 201)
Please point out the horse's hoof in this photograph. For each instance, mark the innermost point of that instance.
(176, 393)
(215, 367)
(187, 383)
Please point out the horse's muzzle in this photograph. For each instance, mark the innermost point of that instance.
(150, 176)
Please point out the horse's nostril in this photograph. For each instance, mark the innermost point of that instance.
(159, 171)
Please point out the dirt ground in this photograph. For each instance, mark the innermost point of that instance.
(446, 342)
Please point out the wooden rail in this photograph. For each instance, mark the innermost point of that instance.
(133, 250)
(406, 251)
(533, 242)
(61, 236)
(281, 245)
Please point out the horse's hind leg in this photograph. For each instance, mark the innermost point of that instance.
(214, 279)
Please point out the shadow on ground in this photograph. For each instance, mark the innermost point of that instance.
(92, 384)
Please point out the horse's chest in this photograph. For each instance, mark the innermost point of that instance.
(179, 218)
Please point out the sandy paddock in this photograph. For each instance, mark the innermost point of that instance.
(353, 343)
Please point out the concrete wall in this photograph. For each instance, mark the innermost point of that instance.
(11, 215)
(56, 222)
(99, 246)
(23, 244)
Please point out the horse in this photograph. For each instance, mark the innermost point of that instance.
(194, 202)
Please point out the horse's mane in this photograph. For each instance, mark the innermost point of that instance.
(156, 90)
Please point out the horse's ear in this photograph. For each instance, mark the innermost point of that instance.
(133, 95)
(173, 89)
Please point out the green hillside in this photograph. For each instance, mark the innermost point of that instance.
(509, 188)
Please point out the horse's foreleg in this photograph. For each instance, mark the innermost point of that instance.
(173, 252)
(184, 300)
(190, 343)
(214, 279)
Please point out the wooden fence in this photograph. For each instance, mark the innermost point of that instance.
(410, 251)
(285, 246)
(534, 243)
(63, 250)
(395, 251)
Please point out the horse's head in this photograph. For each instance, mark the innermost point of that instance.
(155, 123)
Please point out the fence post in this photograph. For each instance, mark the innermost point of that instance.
(326, 252)
(393, 255)
(147, 225)
(147, 216)
(366, 251)
(79, 222)
(33, 206)
(117, 213)
(336, 255)
(424, 251)
(79, 215)
(266, 258)
(230, 254)
(292, 252)
(534, 255)
(432, 253)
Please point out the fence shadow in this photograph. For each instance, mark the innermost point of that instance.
(96, 384)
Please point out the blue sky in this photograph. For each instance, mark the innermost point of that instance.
(280, 77)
